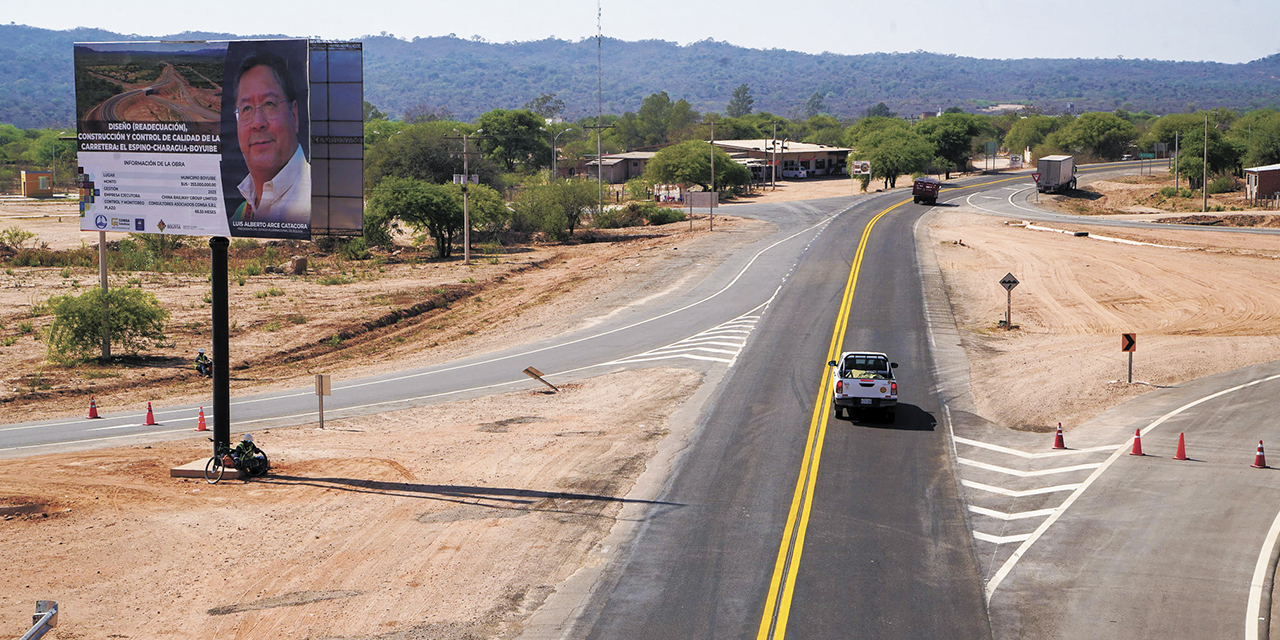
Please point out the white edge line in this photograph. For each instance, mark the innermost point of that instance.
(1252, 617)
(73, 442)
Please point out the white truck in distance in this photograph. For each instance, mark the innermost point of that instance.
(864, 380)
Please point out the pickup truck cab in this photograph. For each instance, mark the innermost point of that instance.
(864, 380)
(925, 190)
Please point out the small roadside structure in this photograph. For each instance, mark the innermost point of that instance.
(789, 157)
(37, 184)
(1262, 183)
(620, 167)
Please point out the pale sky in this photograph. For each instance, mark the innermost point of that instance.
(1215, 30)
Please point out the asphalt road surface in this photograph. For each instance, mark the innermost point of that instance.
(781, 520)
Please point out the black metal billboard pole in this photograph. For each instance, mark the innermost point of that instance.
(221, 341)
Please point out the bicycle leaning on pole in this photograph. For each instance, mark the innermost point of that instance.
(245, 457)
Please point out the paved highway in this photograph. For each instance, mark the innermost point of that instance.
(779, 520)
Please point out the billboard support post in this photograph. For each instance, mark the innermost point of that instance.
(106, 305)
(221, 341)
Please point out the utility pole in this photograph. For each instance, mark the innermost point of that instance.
(599, 157)
(1175, 163)
(466, 180)
(773, 170)
(711, 218)
(599, 104)
(1204, 180)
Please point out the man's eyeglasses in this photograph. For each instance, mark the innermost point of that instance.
(269, 109)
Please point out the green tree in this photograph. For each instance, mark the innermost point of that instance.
(485, 206)
(1258, 134)
(689, 163)
(952, 137)
(1098, 134)
(555, 208)
(881, 110)
(742, 103)
(515, 137)
(658, 121)
(546, 105)
(372, 113)
(422, 112)
(1029, 132)
(823, 129)
(815, 105)
(134, 318)
(854, 135)
(894, 152)
(432, 210)
(423, 151)
(738, 129)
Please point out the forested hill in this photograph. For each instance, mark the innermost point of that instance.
(469, 77)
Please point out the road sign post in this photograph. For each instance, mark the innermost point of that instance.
(1008, 282)
(1129, 344)
(323, 388)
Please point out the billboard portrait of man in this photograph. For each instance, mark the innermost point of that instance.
(270, 112)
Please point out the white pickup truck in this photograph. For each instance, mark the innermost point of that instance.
(864, 380)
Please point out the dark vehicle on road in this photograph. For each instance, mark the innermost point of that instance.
(925, 190)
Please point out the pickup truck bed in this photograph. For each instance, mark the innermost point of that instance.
(864, 380)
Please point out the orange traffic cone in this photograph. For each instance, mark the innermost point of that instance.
(151, 417)
(1137, 443)
(1182, 448)
(1057, 440)
(1260, 460)
(201, 426)
(93, 408)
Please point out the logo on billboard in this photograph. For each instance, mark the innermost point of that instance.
(140, 224)
(159, 226)
(100, 222)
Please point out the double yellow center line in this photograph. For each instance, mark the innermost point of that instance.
(777, 608)
(773, 624)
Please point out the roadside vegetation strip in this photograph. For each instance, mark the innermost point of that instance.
(1121, 449)
(777, 607)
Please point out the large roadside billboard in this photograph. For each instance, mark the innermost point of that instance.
(203, 138)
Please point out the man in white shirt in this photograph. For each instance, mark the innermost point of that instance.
(278, 187)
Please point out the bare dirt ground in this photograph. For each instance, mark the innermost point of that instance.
(457, 520)
(1200, 302)
(452, 521)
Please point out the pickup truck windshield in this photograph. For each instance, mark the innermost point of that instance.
(861, 366)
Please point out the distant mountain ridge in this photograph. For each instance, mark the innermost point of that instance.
(470, 77)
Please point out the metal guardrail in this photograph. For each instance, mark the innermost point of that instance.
(45, 618)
